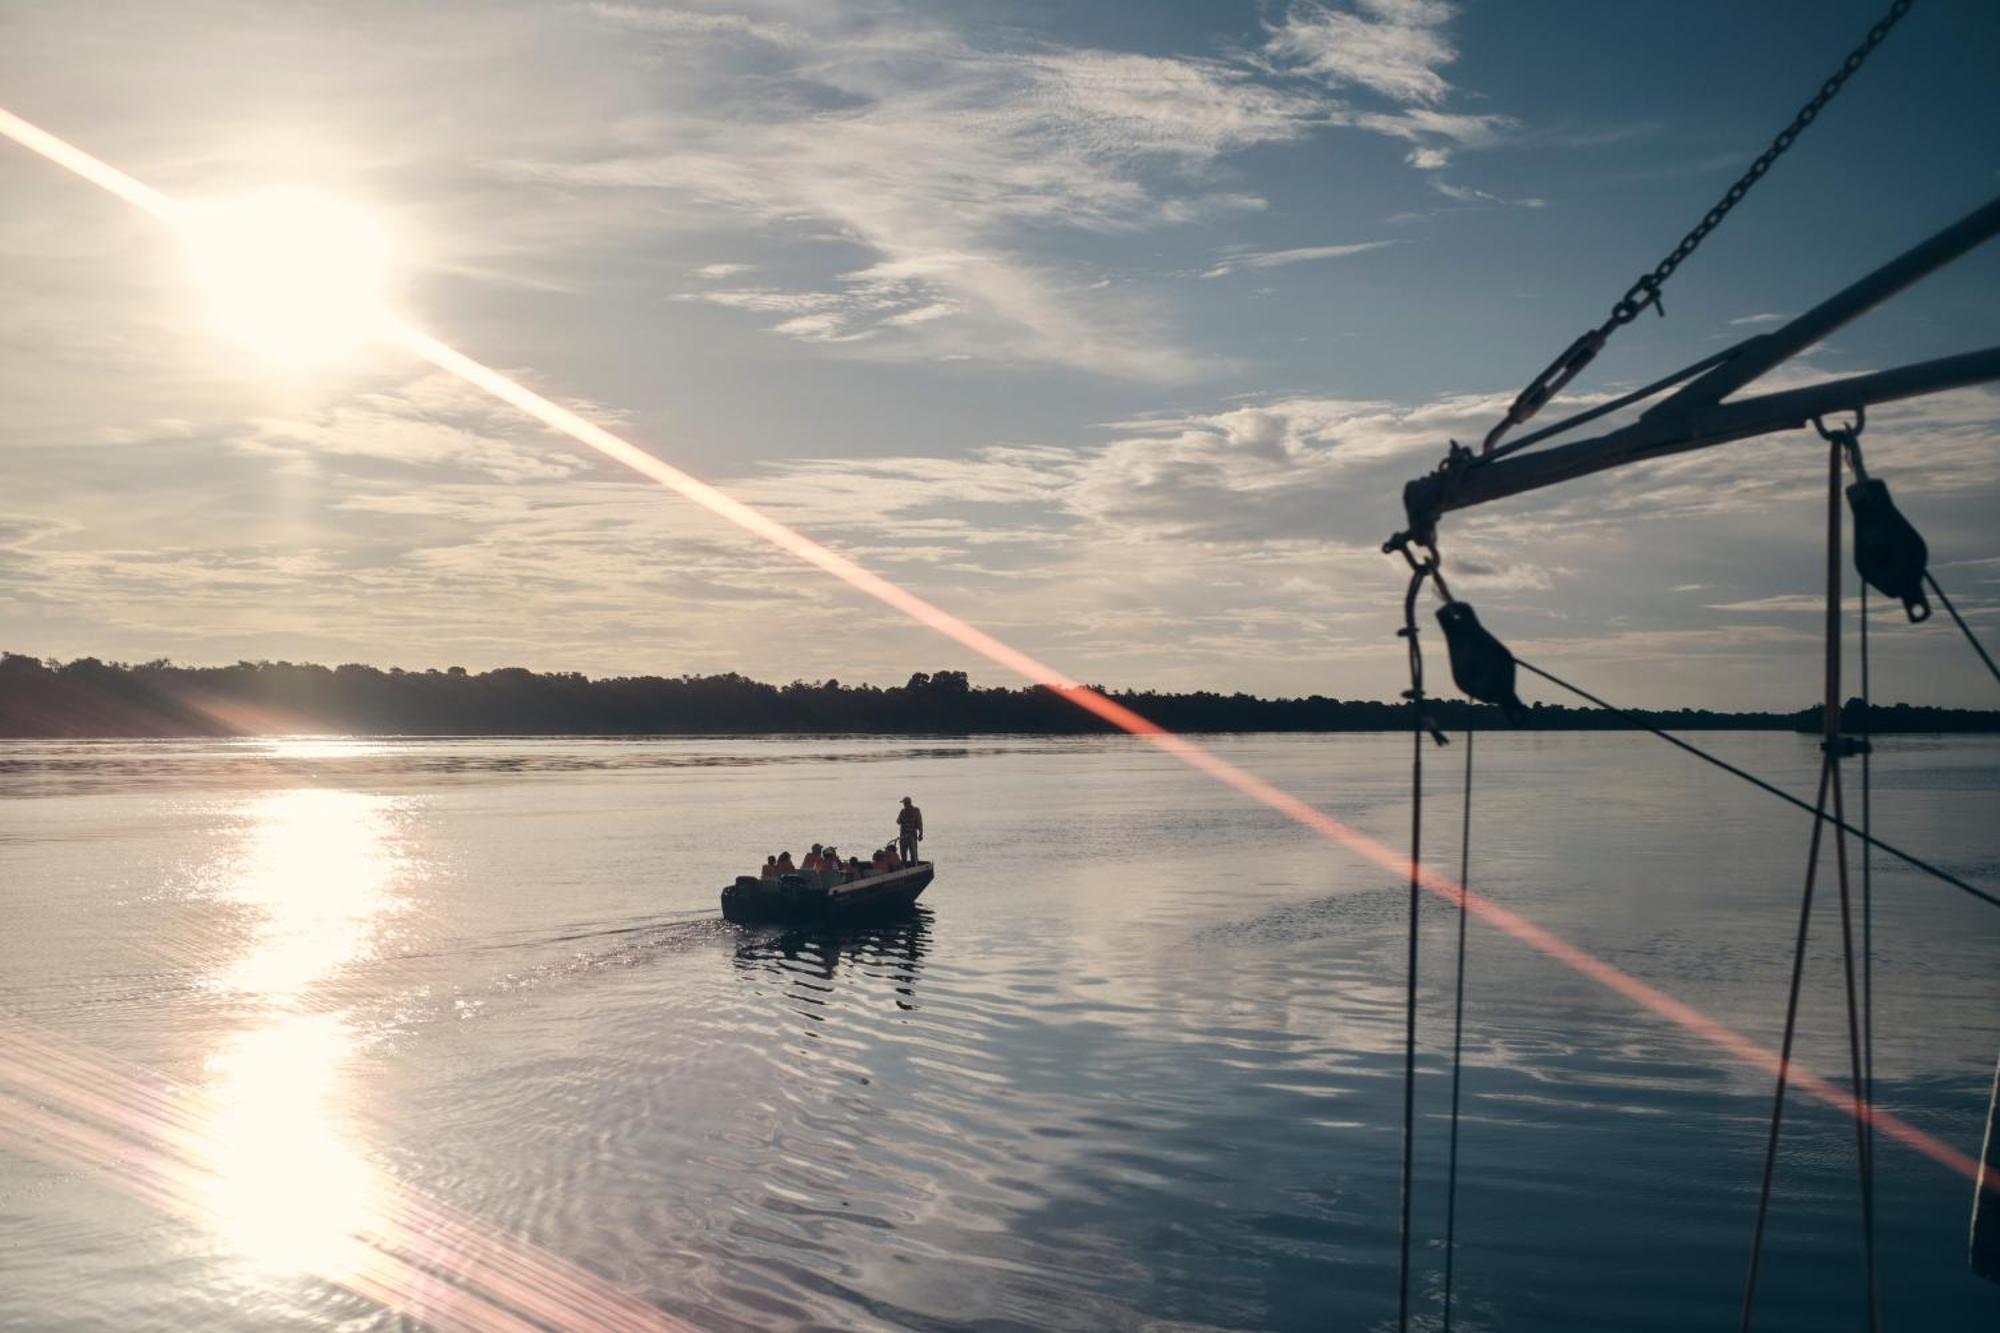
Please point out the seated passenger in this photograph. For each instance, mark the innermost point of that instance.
(829, 863)
(813, 858)
(854, 868)
(785, 866)
(891, 861)
(770, 870)
(878, 863)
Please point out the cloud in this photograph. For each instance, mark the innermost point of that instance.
(1392, 47)
(1275, 470)
(904, 190)
(879, 299)
(1759, 319)
(432, 422)
(1783, 603)
(1277, 258)
(1465, 194)
(688, 23)
(945, 160)
(1422, 125)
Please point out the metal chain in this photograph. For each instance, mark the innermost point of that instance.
(1646, 291)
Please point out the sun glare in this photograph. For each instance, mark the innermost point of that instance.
(298, 277)
(317, 879)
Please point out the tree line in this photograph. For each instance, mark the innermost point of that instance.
(87, 697)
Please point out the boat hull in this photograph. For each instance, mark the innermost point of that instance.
(797, 900)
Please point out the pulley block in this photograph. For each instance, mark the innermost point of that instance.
(1480, 663)
(1888, 552)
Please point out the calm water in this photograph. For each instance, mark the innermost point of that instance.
(1135, 1065)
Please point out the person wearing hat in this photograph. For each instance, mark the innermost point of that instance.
(909, 830)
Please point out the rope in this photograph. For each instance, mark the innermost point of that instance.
(1785, 1051)
(1839, 442)
(1867, 887)
(1457, 1036)
(1906, 858)
(1418, 730)
(1864, 1143)
(1966, 629)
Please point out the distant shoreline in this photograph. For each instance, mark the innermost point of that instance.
(87, 699)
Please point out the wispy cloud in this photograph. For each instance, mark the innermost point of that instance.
(880, 299)
(1466, 194)
(691, 23)
(943, 159)
(1300, 255)
(1393, 47)
(1396, 49)
(432, 422)
(1764, 318)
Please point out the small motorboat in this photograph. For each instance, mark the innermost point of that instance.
(803, 897)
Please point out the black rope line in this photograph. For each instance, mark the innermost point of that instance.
(1838, 443)
(1457, 1035)
(1959, 620)
(1785, 1051)
(1864, 1149)
(1906, 858)
(1866, 720)
(1419, 727)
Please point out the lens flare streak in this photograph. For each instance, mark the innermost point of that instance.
(145, 1135)
(1397, 863)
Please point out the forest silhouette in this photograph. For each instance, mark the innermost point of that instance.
(87, 697)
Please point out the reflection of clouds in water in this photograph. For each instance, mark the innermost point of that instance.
(319, 872)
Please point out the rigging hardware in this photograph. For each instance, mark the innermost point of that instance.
(1696, 417)
(1646, 291)
(1839, 444)
(1480, 663)
(1888, 551)
(1889, 554)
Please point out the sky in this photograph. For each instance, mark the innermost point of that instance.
(1114, 328)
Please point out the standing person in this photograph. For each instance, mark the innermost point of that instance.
(909, 831)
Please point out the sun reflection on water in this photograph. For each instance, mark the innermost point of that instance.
(318, 879)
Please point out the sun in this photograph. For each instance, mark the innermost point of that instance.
(298, 277)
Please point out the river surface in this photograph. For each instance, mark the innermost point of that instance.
(324, 1033)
